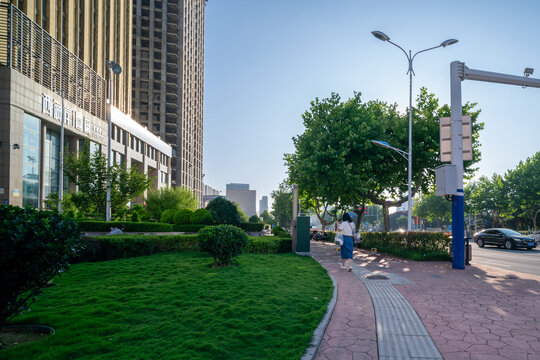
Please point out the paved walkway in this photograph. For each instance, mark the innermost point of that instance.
(477, 313)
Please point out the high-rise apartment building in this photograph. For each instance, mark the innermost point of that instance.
(263, 204)
(168, 74)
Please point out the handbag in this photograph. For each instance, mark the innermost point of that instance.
(338, 240)
(356, 235)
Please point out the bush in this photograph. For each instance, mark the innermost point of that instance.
(35, 246)
(182, 217)
(167, 216)
(262, 245)
(110, 247)
(254, 219)
(223, 211)
(160, 200)
(135, 217)
(202, 216)
(223, 242)
(103, 226)
(285, 245)
(251, 227)
(280, 232)
(412, 245)
(188, 228)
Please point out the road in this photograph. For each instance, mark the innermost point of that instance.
(524, 261)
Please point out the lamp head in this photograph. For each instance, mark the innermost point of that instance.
(381, 143)
(117, 69)
(380, 35)
(528, 72)
(448, 42)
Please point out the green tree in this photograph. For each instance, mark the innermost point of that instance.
(254, 219)
(223, 211)
(523, 186)
(267, 218)
(89, 172)
(433, 208)
(490, 197)
(282, 205)
(163, 199)
(243, 217)
(336, 163)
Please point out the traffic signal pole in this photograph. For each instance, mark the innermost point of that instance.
(458, 73)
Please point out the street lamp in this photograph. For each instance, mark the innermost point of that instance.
(117, 69)
(61, 170)
(383, 37)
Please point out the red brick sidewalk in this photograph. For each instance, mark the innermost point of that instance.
(351, 331)
(477, 313)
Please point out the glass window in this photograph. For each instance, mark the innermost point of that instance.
(51, 163)
(30, 165)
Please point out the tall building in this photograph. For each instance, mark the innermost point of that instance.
(240, 194)
(263, 204)
(168, 75)
(54, 48)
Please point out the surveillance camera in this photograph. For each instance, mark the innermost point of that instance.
(528, 72)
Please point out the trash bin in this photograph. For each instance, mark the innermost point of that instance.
(302, 234)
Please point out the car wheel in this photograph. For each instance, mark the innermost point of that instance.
(529, 248)
(480, 243)
(509, 245)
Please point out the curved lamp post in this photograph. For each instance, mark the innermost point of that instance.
(383, 37)
(117, 69)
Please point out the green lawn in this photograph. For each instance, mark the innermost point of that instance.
(174, 306)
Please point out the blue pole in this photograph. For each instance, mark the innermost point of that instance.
(458, 231)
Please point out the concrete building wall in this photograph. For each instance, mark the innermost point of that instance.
(247, 199)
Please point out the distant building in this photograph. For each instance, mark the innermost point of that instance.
(240, 194)
(263, 204)
(209, 194)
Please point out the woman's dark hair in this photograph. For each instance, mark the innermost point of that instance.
(347, 217)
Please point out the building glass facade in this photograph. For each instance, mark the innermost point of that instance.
(30, 193)
(51, 163)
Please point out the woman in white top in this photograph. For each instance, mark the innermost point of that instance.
(346, 228)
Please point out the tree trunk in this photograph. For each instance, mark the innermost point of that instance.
(386, 216)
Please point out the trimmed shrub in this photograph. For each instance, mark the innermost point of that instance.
(202, 216)
(135, 217)
(188, 228)
(223, 242)
(223, 211)
(182, 217)
(177, 198)
(252, 227)
(35, 246)
(285, 245)
(254, 219)
(277, 229)
(103, 226)
(412, 245)
(262, 245)
(167, 216)
(110, 247)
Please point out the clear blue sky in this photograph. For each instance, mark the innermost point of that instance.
(265, 60)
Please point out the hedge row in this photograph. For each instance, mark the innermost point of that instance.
(412, 245)
(110, 247)
(104, 226)
(251, 227)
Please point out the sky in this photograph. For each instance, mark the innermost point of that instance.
(266, 60)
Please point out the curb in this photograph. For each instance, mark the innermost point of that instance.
(318, 334)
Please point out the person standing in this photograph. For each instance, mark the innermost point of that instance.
(346, 228)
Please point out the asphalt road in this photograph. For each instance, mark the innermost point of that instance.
(524, 261)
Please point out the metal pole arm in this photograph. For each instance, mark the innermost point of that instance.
(487, 76)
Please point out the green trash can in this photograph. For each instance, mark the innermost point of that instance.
(302, 234)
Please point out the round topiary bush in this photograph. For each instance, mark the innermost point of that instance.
(223, 242)
(277, 230)
(202, 217)
(254, 219)
(167, 216)
(182, 217)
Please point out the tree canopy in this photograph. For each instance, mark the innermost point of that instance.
(336, 163)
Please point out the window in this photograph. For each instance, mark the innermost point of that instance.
(30, 163)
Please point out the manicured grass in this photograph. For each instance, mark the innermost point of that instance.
(174, 306)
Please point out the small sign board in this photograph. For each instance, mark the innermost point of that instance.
(446, 138)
